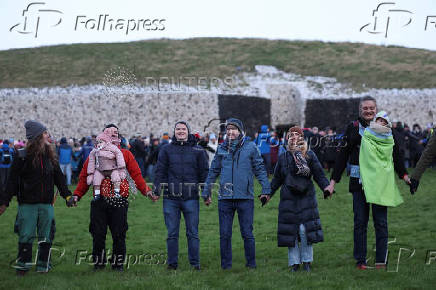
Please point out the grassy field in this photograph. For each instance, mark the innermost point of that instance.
(353, 63)
(411, 227)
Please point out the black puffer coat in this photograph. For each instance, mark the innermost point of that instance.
(296, 209)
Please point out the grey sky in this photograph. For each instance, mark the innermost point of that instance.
(333, 20)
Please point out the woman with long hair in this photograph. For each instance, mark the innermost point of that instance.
(34, 173)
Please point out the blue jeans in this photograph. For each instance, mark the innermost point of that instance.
(150, 172)
(66, 170)
(302, 253)
(226, 210)
(190, 210)
(361, 217)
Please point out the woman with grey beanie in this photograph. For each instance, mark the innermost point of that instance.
(34, 173)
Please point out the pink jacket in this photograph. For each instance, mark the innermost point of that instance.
(109, 157)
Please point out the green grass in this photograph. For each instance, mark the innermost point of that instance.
(353, 63)
(412, 224)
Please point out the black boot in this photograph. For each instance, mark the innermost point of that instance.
(99, 259)
(24, 258)
(43, 261)
(294, 268)
(306, 266)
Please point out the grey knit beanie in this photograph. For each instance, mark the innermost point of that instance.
(34, 129)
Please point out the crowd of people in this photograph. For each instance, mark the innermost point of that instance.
(185, 166)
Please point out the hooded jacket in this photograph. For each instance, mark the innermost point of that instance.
(65, 152)
(236, 168)
(263, 140)
(181, 167)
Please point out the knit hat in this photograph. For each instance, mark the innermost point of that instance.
(237, 123)
(295, 129)
(184, 123)
(212, 136)
(384, 116)
(113, 133)
(105, 137)
(34, 129)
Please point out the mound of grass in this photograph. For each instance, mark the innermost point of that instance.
(353, 63)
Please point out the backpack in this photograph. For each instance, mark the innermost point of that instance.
(6, 157)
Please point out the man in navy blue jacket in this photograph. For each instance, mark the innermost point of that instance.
(181, 166)
(237, 161)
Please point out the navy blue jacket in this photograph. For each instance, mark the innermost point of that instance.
(7, 151)
(86, 149)
(180, 167)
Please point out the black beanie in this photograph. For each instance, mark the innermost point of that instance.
(34, 129)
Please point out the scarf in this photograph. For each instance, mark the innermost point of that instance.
(301, 163)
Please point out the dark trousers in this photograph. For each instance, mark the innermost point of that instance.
(141, 165)
(361, 217)
(104, 215)
(4, 172)
(226, 210)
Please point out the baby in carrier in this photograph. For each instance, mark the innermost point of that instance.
(106, 160)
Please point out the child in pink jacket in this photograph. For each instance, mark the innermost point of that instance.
(106, 160)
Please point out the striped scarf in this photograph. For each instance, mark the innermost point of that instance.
(301, 163)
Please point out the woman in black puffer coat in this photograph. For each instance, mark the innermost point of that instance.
(298, 209)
